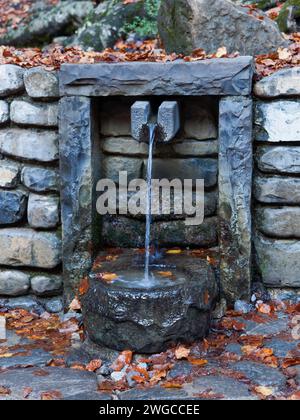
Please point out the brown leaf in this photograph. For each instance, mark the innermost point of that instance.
(4, 390)
(182, 352)
(94, 365)
(172, 385)
(198, 362)
(26, 392)
(84, 286)
(51, 395)
(75, 305)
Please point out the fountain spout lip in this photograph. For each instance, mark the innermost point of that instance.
(167, 121)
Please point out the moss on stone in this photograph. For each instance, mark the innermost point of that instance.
(290, 10)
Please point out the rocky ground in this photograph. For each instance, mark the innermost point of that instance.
(252, 355)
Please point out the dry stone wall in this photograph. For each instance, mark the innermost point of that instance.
(30, 237)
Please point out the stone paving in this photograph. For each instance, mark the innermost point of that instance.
(249, 356)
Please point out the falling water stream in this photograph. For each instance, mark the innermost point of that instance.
(152, 128)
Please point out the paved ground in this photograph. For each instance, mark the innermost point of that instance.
(251, 356)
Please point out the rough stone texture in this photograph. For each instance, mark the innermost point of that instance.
(113, 165)
(284, 82)
(40, 179)
(25, 247)
(277, 121)
(39, 145)
(11, 77)
(80, 223)
(46, 285)
(278, 261)
(34, 113)
(277, 190)
(14, 283)
(235, 195)
(118, 122)
(261, 374)
(279, 159)
(69, 382)
(189, 148)
(168, 120)
(13, 206)
(43, 211)
(54, 305)
(232, 77)
(130, 233)
(182, 169)
(4, 112)
(199, 122)
(185, 25)
(283, 222)
(9, 174)
(156, 393)
(41, 84)
(140, 116)
(149, 320)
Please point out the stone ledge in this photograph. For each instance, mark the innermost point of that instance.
(207, 77)
(284, 82)
(282, 222)
(285, 160)
(278, 261)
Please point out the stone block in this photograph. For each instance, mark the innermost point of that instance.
(284, 160)
(168, 120)
(277, 190)
(285, 82)
(12, 205)
(115, 118)
(278, 121)
(43, 211)
(41, 84)
(4, 112)
(14, 283)
(40, 179)
(9, 174)
(281, 222)
(112, 166)
(38, 145)
(140, 115)
(34, 113)
(278, 261)
(27, 248)
(11, 77)
(199, 121)
(46, 285)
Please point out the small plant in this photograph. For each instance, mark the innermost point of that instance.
(145, 27)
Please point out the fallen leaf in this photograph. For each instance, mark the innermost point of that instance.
(75, 305)
(94, 365)
(291, 362)
(51, 395)
(264, 308)
(182, 352)
(84, 286)
(198, 362)
(165, 273)
(174, 252)
(4, 390)
(263, 390)
(26, 392)
(108, 277)
(172, 385)
(221, 52)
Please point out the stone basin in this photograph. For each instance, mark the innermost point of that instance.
(122, 316)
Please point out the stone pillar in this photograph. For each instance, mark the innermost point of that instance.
(80, 168)
(235, 188)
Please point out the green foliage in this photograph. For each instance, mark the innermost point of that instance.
(145, 26)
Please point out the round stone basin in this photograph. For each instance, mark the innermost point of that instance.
(147, 317)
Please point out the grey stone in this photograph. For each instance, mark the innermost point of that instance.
(25, 247)
(181, 368)
(261, 374)
(277, 190)
(69, 382)
(29, 303)
(112, 166)
(140, 115)
(285, 82)
(34, 113)
(279, 159)
(234, 349)
(4, 112)
(235, 197)
(189, 148)
(35, 358)
(267, 329)
(54, 305)
(43, 211)
(130, 233)
(185, 25)
(48, 22)
(278, 121)
(168, 120)
(9, 174)
(39, 145)
(278, 261)
(232, 77)
(40, 179)
(41, 84)
(89, 396)
(11, 77)
(79, 143)
(199, 121)
(242, 306)
(149, 319)
(156, 393)
(46, 285)
(13, 206)
(282, 222)
(14, 283)
(183, 169)
(221, 386)
(118, 122)
(282, 348)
